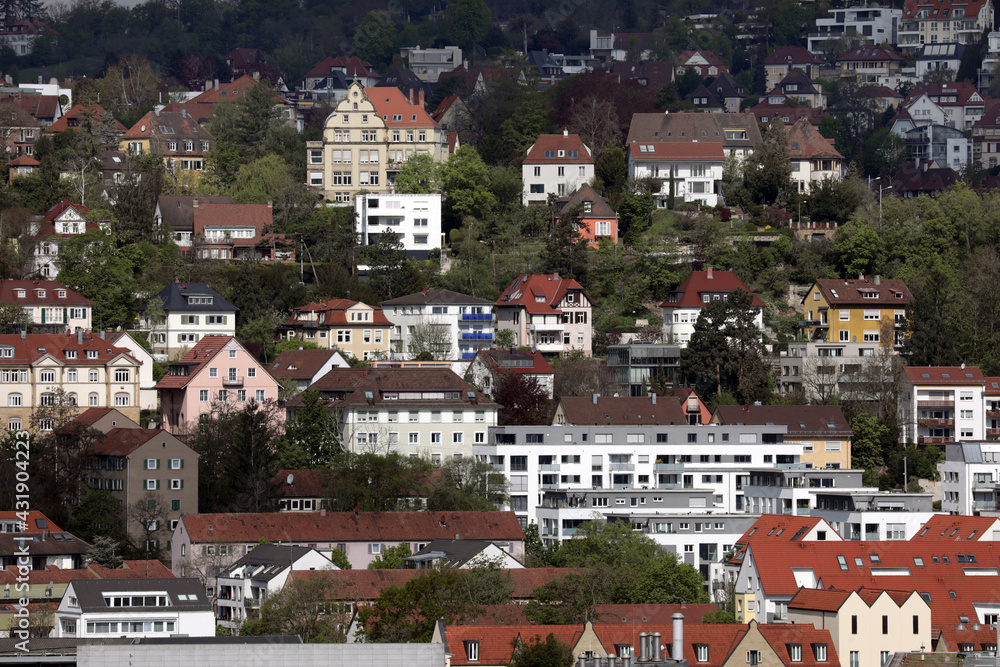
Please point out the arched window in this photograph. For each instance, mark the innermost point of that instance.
(71, 398)
(92, 400)
(14, 400)
(47, 399)
(122, 399)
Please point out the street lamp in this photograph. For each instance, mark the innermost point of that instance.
(880, 188)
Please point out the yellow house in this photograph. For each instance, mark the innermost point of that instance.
(183, 143)
(856, 310)
(351, 327)
(366, 141)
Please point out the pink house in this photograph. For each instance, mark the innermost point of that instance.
(216, 369)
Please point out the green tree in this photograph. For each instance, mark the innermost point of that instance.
(468, 484)
(768, 170)
(866, 446)
(418, 176)
(296, 610)
(339, 559)
(94, 265)
(537, 652)
(13, 318)
(467, 22)
(565, 250)
(462, 179)
(98, 515)
(261, 181)
(391, 558)
(375, 39)
(860, 248)
(105, 551)
(312, 436)
(611, 169)
(371, 482)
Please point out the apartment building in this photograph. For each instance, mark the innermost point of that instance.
(191, 311)
(51, 307)
(216, 370)
(429, 63)
(301, 368)
(633, 365)
(366, 141)
(551, 314)
(39, 370)
(926, 22)
(178, 138)
(872, 23)
(970, 478)
(350, 327)
(939, 404)
(414, 219)
(870, 514)
(738, 133)
(856, 310)
(780, 62)
(870, 64)
(447, 324)
(683, 305)
(961, 104)
(688, 172)
(556, 164)
(791, 489)
(490, 368)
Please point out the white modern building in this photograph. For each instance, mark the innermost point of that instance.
(970, 478)
(689, 171)
(191, 311)
(134, 608)
(870, 514)
(939, 404)
(869, 23)
(429, 63)
(414, 219)
(556, 164)
(448, 324)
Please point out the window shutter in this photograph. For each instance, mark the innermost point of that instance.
(182, 483)
(182, 464)
(158, 464)
(157, 485)
(145, 464)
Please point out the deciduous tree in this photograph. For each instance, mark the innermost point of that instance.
(522, 400)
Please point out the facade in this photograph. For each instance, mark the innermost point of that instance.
(869, 514)
(366, 141)
(937, 57)
(216, 370)
(551, 314)
(596, 220)
(939, 404)
(237, 232)
(148, 400)
(784, 59)
(191, 311)
(729, 92)
(414, 219)
(869, 64)
(61, 222)
(490, 367)
(555, 165)
(300, 490)
(738, 133)
(961, 104)
(970, 477)
(301, 368)
(689, 172)
(796, 87)
(942, 144)
(814, 159)
(50, 306)
(183, 143)
(986, 137)
(175, 215)
(706, 63)
(417, 412)
(856, 310)
(600, 410)
(147, 466)
(429, 63)
(447, 324)
(39, 370)
(134, 608)
(923, 22)
(872, 23)
(820, 369)
(790, 489)
(808, 425)
(350, 327)
(633, 366)
(247, 583)
(21, 35)
(684, 304)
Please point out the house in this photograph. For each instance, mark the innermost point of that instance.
(439, 322)
(366, 141)
(80, 116)
(705, 63)
(765, 112)
(822, 430)
(739, 133)
(20, 129)
(61, 222)
(462, 554)
(555, 165)
(35, 369)
(456, 119)
(22, 165)
(149, 467)
(653, 74)
(491, 367)
(43, 107)
(253, 62)
(868, 23)
(547, 312)
(780, 62)
(201, 107)
(51, 307)
(938, 57)
(134, 608)
(813, 157)
(429, 63)
(690, 171)
(924, 22)
(301, 490)
(216, 370)
(175, 215)
(868, 64)
(923, 177)
(797, 87)
(429, 412)
(191, 311)
(178, 137)
(414, 219)
(961, 103)
(939, 143)
(856, 310)
(20, 35)
(986, 137)
(406, 81)
(352, 68)
(883, 97)
(598, 410)
(729, 91)
(204, 542)
(148, 400)
(352, 328)
(237, 232)
(47, 546)
(244, 585)
(596, 220)
(300, 368)
(705, 100)
(620, 46)
(939, 404)
(683, 305)
(48, 584)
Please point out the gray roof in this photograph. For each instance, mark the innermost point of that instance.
(90, 592)
(436, 296)
(268, 560)
(175, 295)
(651, 127)
(177, 211)
(454, 552)
(725, 86)
(45, 543)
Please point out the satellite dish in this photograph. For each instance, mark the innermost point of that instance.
(289, 479)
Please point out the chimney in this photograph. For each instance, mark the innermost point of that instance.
(79, 337)
(677, 653)
(642, 646)
(653, 397)
(595, 397)
(457, 536)
(270, 205)
(101, 334)
(322, 511)
(655, 641)
(709, 272)
(24, 334)
(216, 84)
(194, 203)
(411, 97)
(878, 279)
(420, 97)
(565, 132)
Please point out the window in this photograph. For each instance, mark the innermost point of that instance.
(260, 396)
(855, 659)
(916, 624)
(701, 652)
(14, 400)
(471, 650)
(820, 651)
(795, 652)
(854, 622)
(885, 625)
(753, 657)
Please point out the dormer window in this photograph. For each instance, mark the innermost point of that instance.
(588, 207)
(61, 293)
(41, 293)
(20, 293)
(471, 650)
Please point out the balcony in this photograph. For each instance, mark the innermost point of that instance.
(549, 347)
(932, 440)
(871, 536)
(668, 485)
(984, 504)
(554, 467)
(468, 355)
(623, 486)
(232, 381)
(477, 317)
(550, 485)
(993, 414)
(569, 532)
(993, 433)
(546, 326)
(937, 404)
(476, 336)
(628, 467)
(935, 421)
(669, 467)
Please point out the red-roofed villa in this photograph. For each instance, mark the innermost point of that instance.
(684, 304)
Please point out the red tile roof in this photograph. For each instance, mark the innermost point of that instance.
(351, 527)
(258, 216)
(525, 288)
(31, 522)
(819, 599)
(791, 55)
(130, 569)
(8, 293)
(802, 420)
(677, 150)
(869, 53)
(305, 483)
(558, 142)
(169, 126)
(500, 362)
(958, 528)
(969, 375)
(862, 291)
(33, 347)
(44, 108)
(972, 8)
(300, 364)
(992, 386)
(351, 65)
(964, 93)
(78, 112)
(124, 441)
(334, 313)
(805, 142)
(765, 112)
(622, 410)
(712, 281)
(196, 359)
(23, 161)
(390, 103)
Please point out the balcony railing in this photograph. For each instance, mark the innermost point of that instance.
(468, 355)
(668, 485)
(232, 381)
(669, 467)
(477, 317)
(932, 440)
(993, 433)
(993, 414)
(554, 467)
(622, 466)
(546, 326)
(984, 504)
(476, 336)
(935, 421)
(936, 404)
(549, 347)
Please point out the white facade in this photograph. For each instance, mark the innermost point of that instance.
(415, 219)
(147, 386)
(694, 181)
(807, 173)
(932, 414)
(678, 323)
(970, 476)
(872, 23)
(468, 327)
(541, 180)
(429, 64)
(44, 259)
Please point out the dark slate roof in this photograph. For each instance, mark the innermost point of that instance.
(178, 210)
(725, 86)
(272, 558)
(42, 544)
(702, 92)
(455, 552)
(90, 593)
(436, 296)
(174, 298)
(600, 208)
